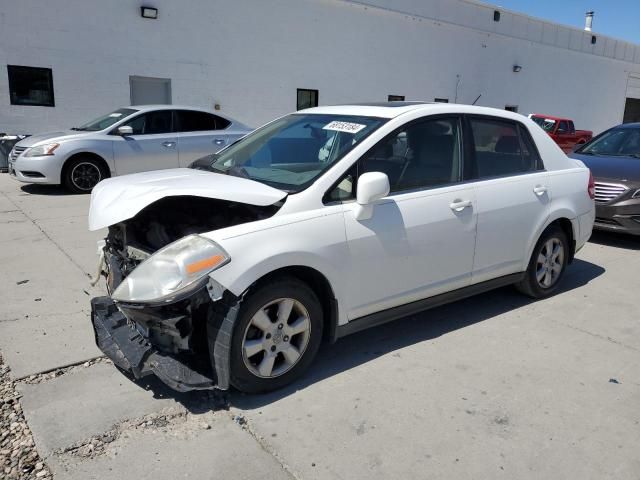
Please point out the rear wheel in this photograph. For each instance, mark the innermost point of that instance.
(547, 265)
(277, 335)
(82, 174)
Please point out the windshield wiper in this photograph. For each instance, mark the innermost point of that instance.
(78, 129)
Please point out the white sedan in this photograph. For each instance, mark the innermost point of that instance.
(127, 140)
(322, 223)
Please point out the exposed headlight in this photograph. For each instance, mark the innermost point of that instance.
(41, 150)
(171, 270)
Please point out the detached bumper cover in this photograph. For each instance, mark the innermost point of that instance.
(130, 351)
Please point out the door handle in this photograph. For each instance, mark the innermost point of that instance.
(219, 141)
(539, 190)
(459, 205)
(169, 144)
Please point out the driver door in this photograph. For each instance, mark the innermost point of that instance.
(152, 146)
(420, 239)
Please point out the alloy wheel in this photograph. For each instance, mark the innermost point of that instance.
(85, 175)
(276, 338)
(550, 263)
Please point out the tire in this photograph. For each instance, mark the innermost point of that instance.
(545, 270)
(82, 174)
(265, 356)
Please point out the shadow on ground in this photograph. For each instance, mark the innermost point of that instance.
(360, 348)
(49, 190)
(616, 240)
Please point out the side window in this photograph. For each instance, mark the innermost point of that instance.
(572, 128)
(498, 150)
(191, 121)
(529, 150)
(345, 189)
(424, 154)
(151, 123)
(563, 127)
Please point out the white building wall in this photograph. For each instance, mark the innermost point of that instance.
(251, 55)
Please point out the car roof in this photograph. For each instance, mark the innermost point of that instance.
(395, 109)
(551, 117)
(146, 108)
(628, 125)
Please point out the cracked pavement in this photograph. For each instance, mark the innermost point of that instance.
(493, 386)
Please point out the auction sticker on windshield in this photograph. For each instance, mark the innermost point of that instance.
(346, 127)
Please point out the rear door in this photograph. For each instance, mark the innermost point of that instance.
(200, 134)
(512, 194)
(152, 146)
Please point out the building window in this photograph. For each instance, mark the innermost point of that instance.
(511, 108)
(441, 100)
(594, 39)
(395, 98)
(496, 15)
(307, 98)
(30, 86)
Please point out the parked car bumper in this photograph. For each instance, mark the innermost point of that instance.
(623, 217)
(45, 169)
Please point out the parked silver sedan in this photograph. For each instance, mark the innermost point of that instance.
(127, 140)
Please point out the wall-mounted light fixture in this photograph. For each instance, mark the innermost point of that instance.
(149, 12)
(517, 68)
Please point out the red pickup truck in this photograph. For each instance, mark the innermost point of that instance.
(562, 131)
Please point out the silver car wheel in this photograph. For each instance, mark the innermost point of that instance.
(85, 175)
(276, 338)
(550, 263)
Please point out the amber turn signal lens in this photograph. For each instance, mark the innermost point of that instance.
(204, 264)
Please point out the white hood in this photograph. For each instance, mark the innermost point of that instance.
(117, 199)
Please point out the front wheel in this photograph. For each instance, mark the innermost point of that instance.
(82, 174)
(547, 265)
(276, 336)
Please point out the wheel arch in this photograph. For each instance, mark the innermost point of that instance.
(567, 221)
(319, 283)
(84, 154)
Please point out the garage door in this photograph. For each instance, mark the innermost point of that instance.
(150, 90)
(633, 87)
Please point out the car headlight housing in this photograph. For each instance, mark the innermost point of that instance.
(41, 150)
(171, 271)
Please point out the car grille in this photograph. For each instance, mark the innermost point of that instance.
(15, 153)
(605, 192)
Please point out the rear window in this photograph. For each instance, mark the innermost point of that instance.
(502, 148)
(547, 124)
(193, 121)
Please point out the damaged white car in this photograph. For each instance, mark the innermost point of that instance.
(320, 224)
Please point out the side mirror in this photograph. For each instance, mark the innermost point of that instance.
(372, 186)
(125, 130)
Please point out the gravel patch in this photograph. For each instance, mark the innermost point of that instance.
(18, 456)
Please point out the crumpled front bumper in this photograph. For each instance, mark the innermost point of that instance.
(130, 351)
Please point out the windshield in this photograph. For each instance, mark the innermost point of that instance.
(547, 124)
(291, 152)
(618, 141)
(106, 120)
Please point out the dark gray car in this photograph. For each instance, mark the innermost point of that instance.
(614, 160)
